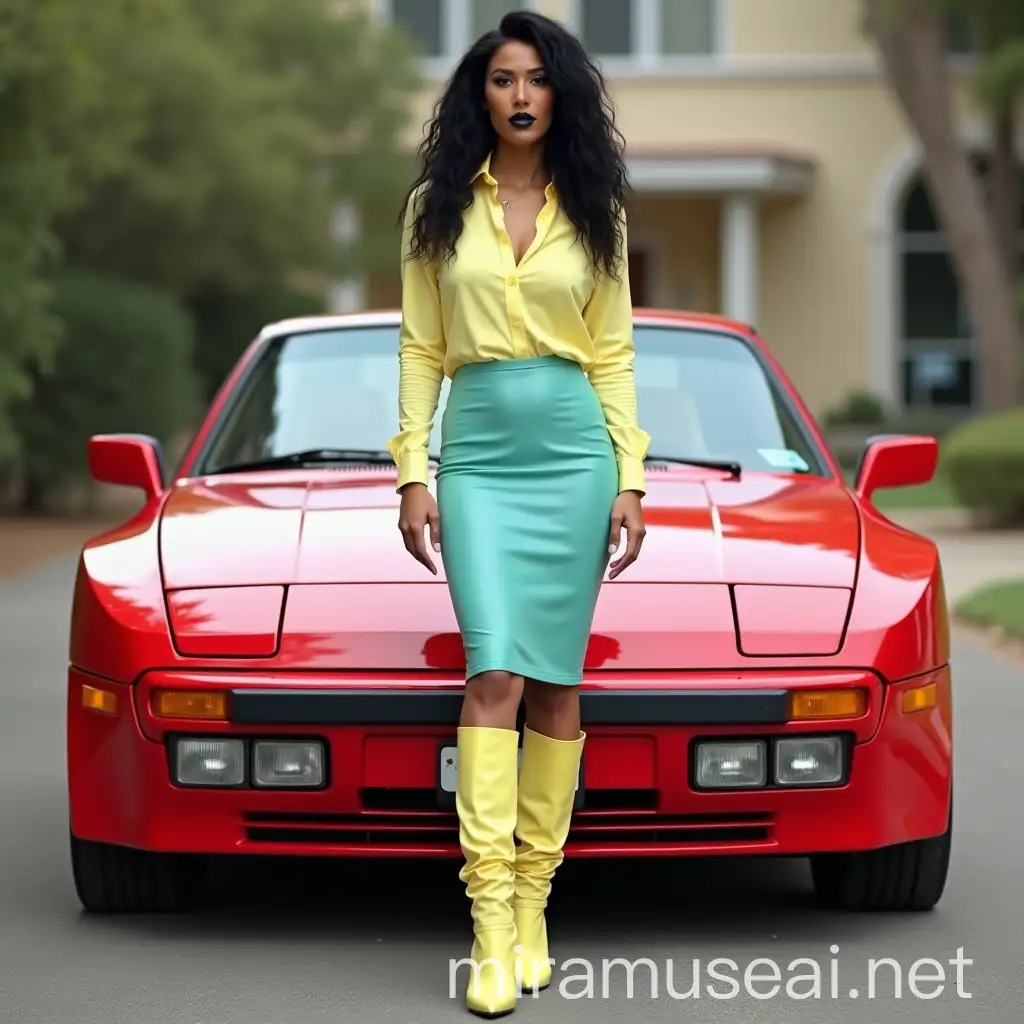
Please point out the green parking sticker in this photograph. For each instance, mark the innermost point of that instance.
(784, 458)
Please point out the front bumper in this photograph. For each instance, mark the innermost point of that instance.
(381, 794)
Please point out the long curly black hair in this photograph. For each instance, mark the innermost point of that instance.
(584, 150)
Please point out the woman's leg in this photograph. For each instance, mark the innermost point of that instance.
(552, 748)
(492, 700)
(486, 799)
(552, 709)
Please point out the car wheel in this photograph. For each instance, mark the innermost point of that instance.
(118, 880)
(909, 876)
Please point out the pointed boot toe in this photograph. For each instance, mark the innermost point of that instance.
(492, 990)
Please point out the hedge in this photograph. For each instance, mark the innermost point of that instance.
(984, 462)
(125, 363)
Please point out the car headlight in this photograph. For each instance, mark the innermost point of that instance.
(288, 764)
(731, 765)
(209, 762)
(810, 761)
(217, 763)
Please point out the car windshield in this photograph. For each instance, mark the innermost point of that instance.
(702, 394)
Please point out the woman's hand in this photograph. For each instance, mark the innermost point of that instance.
(418, 511)
(626, 512)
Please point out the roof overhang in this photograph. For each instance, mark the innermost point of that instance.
(720, 172)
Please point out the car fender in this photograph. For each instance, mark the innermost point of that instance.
(899, 617)
(118, 615)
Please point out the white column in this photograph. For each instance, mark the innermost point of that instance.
(886, 286)
(740, 245)
(348, 294)
(647, 32)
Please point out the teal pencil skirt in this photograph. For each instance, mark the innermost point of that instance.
(525, 488)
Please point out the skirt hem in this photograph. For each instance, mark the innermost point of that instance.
(517, 669)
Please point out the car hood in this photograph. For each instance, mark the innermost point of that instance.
(312, 573)
(341, 528)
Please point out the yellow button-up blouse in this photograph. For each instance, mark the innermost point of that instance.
(482, 306)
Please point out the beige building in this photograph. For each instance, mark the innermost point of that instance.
(775, 180)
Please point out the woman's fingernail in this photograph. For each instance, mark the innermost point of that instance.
(437, 547)
(611, 549)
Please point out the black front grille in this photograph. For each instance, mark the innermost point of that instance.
(440, 829)
(426, 800)
(363, 836)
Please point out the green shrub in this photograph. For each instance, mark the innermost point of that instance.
(858, 409)
(983, 460)
(124, 364)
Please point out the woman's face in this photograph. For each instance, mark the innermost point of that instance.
(518, 96)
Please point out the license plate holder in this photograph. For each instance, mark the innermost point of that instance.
(447, 775)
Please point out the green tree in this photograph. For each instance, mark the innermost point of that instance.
(997, 30)
(260, 116)
(124, 364)
(912, 40)
(65, 121)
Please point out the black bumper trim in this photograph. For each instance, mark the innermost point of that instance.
(378, 706)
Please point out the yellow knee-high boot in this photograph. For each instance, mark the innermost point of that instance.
(486, 804)
(547, 785)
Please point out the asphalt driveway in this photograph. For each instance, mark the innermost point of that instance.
(330, 944)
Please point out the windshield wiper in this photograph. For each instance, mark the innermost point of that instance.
(734, 469)
(311, 457)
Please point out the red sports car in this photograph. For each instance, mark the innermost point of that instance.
(257, 665)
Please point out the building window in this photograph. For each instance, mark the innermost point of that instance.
(688, 28)
(606, 27)
(650, 30)
(423, 22)
(486, 15)
(444, 29)
(938, 360)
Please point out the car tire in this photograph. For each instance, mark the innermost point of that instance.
(906, 877)
(118, 880)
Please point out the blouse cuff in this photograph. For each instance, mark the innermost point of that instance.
(413, 468)
(631, 474)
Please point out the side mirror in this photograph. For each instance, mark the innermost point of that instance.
(895, 460)
(127, 460)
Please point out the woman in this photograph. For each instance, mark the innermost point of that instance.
(515, 286)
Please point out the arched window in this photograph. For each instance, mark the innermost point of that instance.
(938, 357)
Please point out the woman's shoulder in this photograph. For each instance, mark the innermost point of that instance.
(414, 200)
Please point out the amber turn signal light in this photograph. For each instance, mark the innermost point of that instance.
(920, 698)
(807, 705)
(206, 704)
(102, 701)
